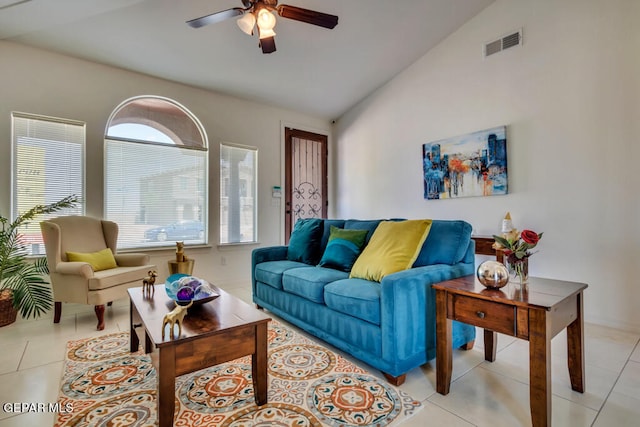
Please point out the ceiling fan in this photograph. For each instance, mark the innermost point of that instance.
(260, 13)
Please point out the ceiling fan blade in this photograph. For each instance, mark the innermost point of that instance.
(215, 17)
(309, 16)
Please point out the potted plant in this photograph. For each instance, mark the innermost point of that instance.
(21, 279)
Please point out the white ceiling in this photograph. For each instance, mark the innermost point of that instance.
(314, 70)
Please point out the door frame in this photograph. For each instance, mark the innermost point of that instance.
(301, 131)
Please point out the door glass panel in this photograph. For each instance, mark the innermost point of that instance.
(306, 179)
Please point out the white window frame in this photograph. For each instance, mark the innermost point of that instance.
(111, 141)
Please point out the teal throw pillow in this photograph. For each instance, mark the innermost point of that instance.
(304, 243)
(343, 248)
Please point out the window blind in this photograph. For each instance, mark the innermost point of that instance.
(48, 165)
(238, 207)
(156, 193)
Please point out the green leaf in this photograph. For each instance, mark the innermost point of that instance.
(32, 294)
(504, 242)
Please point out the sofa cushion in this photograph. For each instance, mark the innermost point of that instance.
(304, 243)
(343, 248)
(270, 272)
(355, 297)
(326, 232)
(105, 279)
(446, 243)
(309, 282)
(358, 224)
(394, 247)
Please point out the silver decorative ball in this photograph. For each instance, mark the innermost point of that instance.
(493, 274)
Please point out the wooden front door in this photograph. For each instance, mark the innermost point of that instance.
(305, 177)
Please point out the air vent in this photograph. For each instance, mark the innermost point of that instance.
(505, 42)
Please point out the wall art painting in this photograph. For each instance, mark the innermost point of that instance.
(469, 165)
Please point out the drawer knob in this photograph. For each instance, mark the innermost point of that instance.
(136, 325)
(480, 314)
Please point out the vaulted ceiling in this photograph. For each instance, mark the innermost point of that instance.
(314, 70)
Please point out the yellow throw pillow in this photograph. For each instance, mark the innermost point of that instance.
(394, 247)
(101, 260)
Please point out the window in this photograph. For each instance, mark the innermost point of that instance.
(238, 215)
(156, 170)
(48, 165)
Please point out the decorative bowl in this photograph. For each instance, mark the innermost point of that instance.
(493, 274)
(183, 289)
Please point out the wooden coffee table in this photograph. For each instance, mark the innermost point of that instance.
(215, 332)
(536, 315)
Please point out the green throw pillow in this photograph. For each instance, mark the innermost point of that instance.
(304, 243)
(393, 247)
(343, 248)
(101, 260)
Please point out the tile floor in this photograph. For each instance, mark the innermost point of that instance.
(482, 393)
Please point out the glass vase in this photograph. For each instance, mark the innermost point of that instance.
(519, 270)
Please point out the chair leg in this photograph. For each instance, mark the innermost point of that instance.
(100, 314)
(57, 311)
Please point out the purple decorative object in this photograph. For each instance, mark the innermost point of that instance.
(184, 289)
(185, 293)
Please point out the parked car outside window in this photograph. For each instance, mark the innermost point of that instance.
(181, 230)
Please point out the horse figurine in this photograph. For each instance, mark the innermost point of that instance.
(175, 316)
(148, 282)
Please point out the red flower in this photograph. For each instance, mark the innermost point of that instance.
(530, 237)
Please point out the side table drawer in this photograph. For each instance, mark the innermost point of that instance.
(485, 314)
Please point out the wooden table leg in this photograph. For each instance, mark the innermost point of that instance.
(147, 343)
(134, 342)
(490, 344)
(444, 354)
(166, 385)
(259, 365)
(575, 348)
(540, 368)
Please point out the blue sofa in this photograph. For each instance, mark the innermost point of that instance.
(391, 324)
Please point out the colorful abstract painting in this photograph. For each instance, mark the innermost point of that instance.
(469, 165)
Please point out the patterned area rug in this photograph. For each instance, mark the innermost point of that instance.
(309, 385)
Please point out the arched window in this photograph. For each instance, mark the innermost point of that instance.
(156, 167)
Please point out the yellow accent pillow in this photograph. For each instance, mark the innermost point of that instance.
(394, 247)
(101, 260)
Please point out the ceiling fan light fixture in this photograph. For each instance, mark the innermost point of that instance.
(266, 20)
(246, 23)
(266, 33)
(262, 13)
(268, 44)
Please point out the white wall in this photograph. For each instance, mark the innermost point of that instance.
(570, 97)
(41, 82)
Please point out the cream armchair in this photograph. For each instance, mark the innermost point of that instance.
(76, 281)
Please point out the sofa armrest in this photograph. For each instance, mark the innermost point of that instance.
(408, 307)
(131, 259)
(75, 268)
(269, 253)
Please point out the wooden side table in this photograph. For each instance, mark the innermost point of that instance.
(536, 314)
(484, 246)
